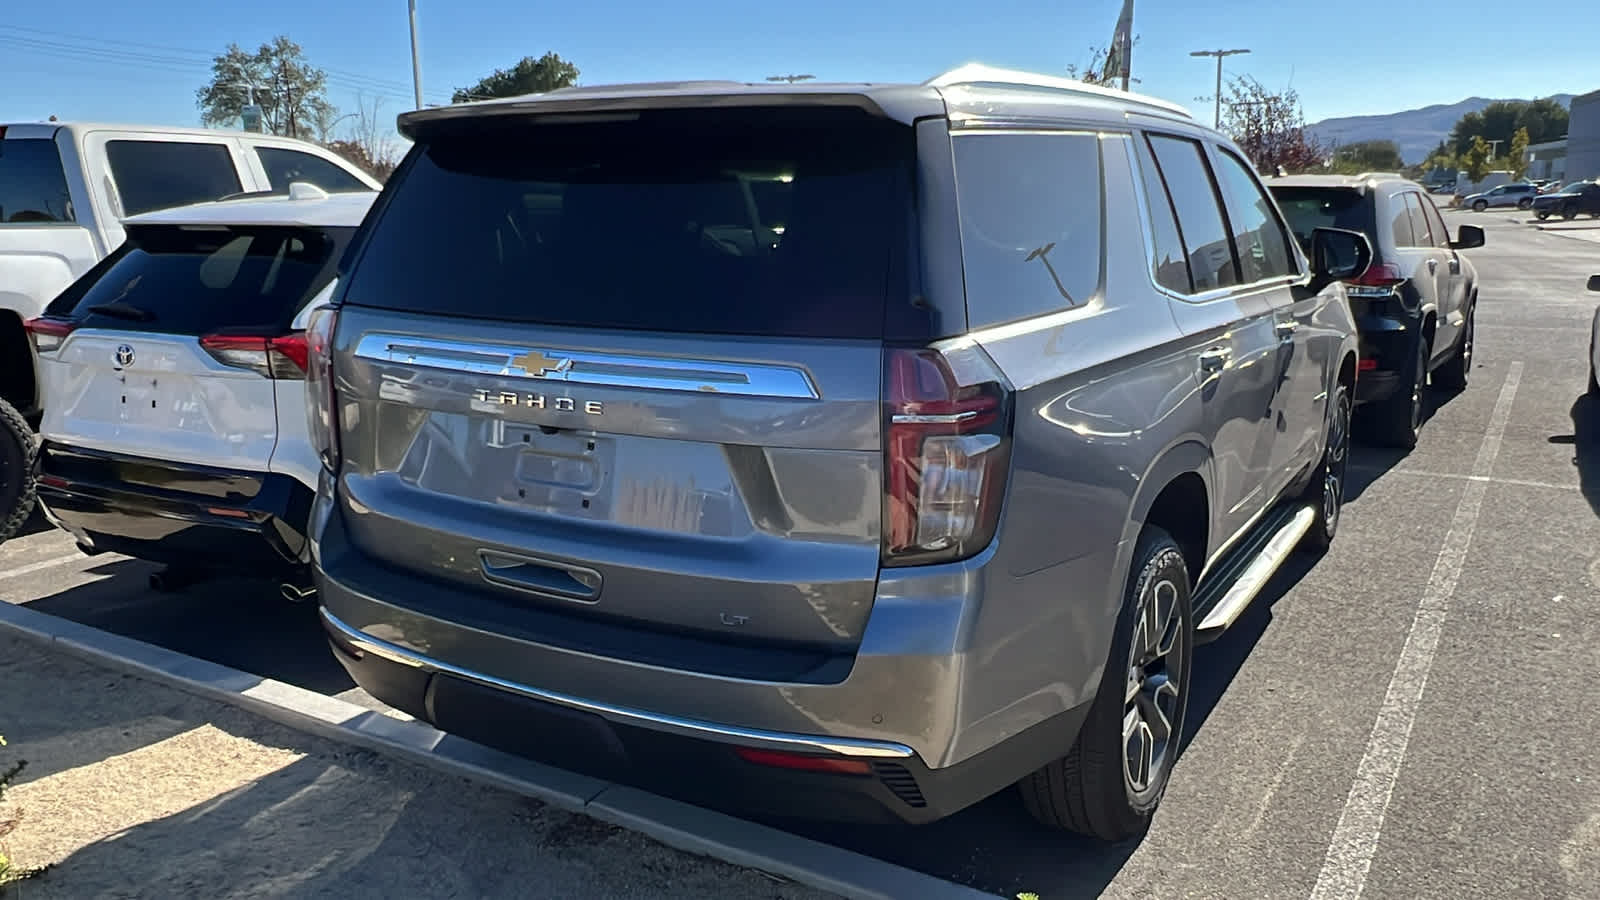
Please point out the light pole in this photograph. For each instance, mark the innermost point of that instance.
(1219, 54)
(416, 62)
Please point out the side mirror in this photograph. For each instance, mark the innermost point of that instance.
(1337, 254)
(1594, 282)
(1468, 237)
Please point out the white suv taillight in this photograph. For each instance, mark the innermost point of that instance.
(947, 453)
(322, 415)
(282, 357)
(48, 334)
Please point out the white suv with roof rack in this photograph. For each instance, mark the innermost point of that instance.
(173, 375)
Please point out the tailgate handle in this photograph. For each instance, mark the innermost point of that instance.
(540, 576)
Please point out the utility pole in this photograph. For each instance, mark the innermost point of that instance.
(1219, 54)
(416, 60)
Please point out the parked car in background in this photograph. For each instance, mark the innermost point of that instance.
(174, 424)
(733, 507)
(65, 189)
(1519, 195)
(1571, 201)
(1415, 303)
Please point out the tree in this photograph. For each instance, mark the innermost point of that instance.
(367, 144)
(1270, 127)
(1517, 156)
(1369, 156)
(1476, 161)
(1094, 72)
(1545, 120)
(530, 76)
(292, 93)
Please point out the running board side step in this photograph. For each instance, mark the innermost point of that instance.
(1239, 584)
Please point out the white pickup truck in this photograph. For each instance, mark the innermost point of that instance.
(65, 189)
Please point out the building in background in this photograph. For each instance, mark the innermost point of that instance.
(1583, 137)
(1548, 160)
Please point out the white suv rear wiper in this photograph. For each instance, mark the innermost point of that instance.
(121, 310)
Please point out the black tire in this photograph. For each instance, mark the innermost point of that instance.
(1480, 205)
(17, 487)
(1525, 203)
(1543, 214)
(1569, 212)
(1452, 376)
(1397, 420)
(1325, 493)
(1091, 790)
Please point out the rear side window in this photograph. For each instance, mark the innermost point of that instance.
(1200, 223)
(1400, 222)
(782, 222)
(182, 280)
(286, 166)
(158, 174)
(1030, 222)
(1171, 262)
(1310, 208)
(1421, 231)
(33, 185)
(1257, 232)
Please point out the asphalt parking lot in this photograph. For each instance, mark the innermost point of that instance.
(1404, 717)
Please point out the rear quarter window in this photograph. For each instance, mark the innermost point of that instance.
(1031, 212)
(177, 280)
(153, 175)
(33, 184)
(770, 222)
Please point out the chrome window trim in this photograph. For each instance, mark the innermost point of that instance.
(726, 734)
(599, 369)
(1147, 225)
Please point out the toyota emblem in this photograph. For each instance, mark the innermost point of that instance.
(124, 355)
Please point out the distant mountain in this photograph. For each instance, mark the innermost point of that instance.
(1417, 131)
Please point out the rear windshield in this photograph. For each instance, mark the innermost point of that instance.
(762, 222)
(186, 280)
(1309, 208)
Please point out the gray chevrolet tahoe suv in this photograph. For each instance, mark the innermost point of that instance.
(848, 451)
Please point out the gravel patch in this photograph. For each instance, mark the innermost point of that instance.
(134, 789)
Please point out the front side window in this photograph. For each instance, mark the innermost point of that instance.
(1030, 222)
(154, 175)
(33, 185)
(1194, 196)
(286, 166)
(1257, 230)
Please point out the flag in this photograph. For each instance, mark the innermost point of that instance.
(1119, 56)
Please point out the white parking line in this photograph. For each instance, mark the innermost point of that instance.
(30, 568)
(1355, 838)
(1511, 482)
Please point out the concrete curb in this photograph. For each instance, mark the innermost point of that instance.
(676, 824)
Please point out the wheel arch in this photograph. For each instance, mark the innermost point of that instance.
(1175, 495)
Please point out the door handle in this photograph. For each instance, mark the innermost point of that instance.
(1433, 266)
(1286, 329)
(1214, 359)
(1455, 266)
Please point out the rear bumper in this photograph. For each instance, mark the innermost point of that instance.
(572, 693)
(1386, 346)
(184, 515)
(868, 781)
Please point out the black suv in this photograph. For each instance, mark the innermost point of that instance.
(1414, 304)
(1570, 201)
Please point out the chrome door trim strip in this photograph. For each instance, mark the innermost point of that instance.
(726, 734)
(598, 369)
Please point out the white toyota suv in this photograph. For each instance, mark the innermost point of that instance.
(173, 373)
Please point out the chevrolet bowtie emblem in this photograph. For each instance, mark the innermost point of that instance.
(538, 365)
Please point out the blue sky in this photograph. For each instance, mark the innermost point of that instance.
(141, 62)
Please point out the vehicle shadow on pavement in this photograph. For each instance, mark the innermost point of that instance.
(36, 523)
(1585, 442)
(240, 623)
(1369, 462)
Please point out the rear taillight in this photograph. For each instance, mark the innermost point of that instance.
(282, 357)
(947, 450)
(48, 334)
(321, 413)
(1379, 280)
(803, 762)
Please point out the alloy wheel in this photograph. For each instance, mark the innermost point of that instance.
(1466, 346)
(1153, 700)
(1419, 387)
(1338, 460)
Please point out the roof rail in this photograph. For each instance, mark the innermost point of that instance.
(977, 73)
(1365, 175)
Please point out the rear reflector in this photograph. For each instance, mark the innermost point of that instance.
(48, 334)
(228, 513)
(781, 760)
(282, 357)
